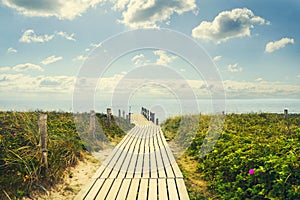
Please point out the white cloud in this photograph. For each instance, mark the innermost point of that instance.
(164, 58)
(80, 58)
(62, 9)
(4, 69)
(259, 79)
(26, 85)
(29, 36)
(95, 45)
(234, 68)
(227, 25)
(275, 45)
(243, 89)
(26, 67)
(217, 58)
(11, 50)
(138, 59)
(51, 59)
(148, 13)
(66, 35)
(298, 76)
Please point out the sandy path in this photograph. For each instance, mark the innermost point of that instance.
(74, 179)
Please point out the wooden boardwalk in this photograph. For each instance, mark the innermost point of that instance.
(141, 166)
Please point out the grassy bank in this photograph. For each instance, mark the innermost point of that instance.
(20, 152)
(269, 144)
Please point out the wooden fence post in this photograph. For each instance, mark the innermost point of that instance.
(42, 123)
(92, 127)
(286, 113)
(157, 121)
(129, 117)
(108, 111)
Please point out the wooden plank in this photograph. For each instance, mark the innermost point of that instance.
(143, 189)
(99, 172)
(127, 161)
(165, 159)
(124, 189)
(112, 163)
(85, 190)
(162, 189)
(132, 194)
(183, 194)
(105, 189)
(172, 190)
(132, 167)
(118, 164)
(152, 189)
(159, 161)
(95, 189)
(113, 192)
(153, 165)
(146, 164)
(139, 167)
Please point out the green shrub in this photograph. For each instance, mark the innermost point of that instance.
(267, 143)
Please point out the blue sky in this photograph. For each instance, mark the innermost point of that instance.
(254, 44)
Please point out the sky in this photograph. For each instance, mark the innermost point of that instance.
(254, 44)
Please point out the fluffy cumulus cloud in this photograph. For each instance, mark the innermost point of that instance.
(275, 45)
(164, 58)
(51, 59)
(26, 67)
(11, 50)
(66, 35)
(147, 13)
(62, 9)
(234, 68)
(29, 36)
(227, 25)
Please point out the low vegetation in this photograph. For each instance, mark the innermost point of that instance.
(20, 151)
(256, 157)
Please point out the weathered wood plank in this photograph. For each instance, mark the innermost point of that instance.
(132, 194)
(113, 192)
(183, 194)
(124, 189)
(162, 189)
(81, 195)
(104, 189)
(172, 190)
(95, 189)
(152, 189)
(143, 189)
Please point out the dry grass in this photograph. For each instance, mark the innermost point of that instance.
(197, 188)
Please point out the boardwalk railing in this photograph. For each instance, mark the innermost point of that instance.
(141, 166)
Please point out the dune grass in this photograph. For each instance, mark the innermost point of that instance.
(20, 152)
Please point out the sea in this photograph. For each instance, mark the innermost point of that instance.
(163, 108)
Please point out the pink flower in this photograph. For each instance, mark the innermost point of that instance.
(251, 171)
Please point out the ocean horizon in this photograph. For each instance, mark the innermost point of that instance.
(163, 108)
